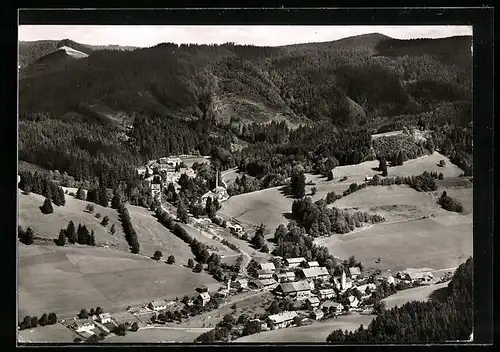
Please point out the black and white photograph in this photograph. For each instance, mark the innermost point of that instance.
(236, 184)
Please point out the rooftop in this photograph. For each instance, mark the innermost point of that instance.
(159, 303)
(315, 272)
(295, 260)
(295, 286)
(313, 299)
(354, 271)
(313, 264)
(204, 295)
(268, 282)
(282, 317)
(267, 266)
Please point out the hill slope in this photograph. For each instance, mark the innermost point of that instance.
(319, 80)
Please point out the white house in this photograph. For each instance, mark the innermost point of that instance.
(326, 293)
(368, 178)
(294, 262)
(158, 305)
(315, 273)
(83, 325)
(235, 228)
(337, 307)
(105, 318)
(362, 288)
(314, 301)
(312, 264)
(141, 170)
(204, 297)
(267, 266)
(353, 301)
(284, 319)
(240, 283)
(317, 314)
(268, 283)
(354, 272)
(264, 274)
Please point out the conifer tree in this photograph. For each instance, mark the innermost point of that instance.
(92, 239)
(103, 196)
(182, 213)
(80, 194)
(61, 240)
(116, 200)
(112, 229)
(71, 232)
(47, 207)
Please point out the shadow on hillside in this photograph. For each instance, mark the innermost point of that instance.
(288, 215)
(440, 294)
(376, 169)
(285, 191)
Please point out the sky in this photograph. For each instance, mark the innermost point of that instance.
(146, 36)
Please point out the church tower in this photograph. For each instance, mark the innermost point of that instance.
(343, 280)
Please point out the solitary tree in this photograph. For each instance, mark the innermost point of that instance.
(84, 314)
(330, 175)
(134, 326)
(80, 194)
(182, 213)
(112, 229)
(90, 208)
(34, 322)
(92, 239)
(43, 320)
(71, 232)
(98, 215)
(330, 197)
(265, 249)
(382, 166)
(105, 221)
(52, 319)
(198, 268)
(314, 190)
(171, 260)
(190, 263)
(47, 207)
(157, 255)
(98, 310)
(61, 240)
(28, 237)
(401, 157)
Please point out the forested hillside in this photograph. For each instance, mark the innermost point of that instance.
(217, 99)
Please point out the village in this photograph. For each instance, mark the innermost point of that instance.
(311, 294)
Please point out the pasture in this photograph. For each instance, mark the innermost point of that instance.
(396, 202)
(50, 333)
(416, 243)
(422, 293)
(156, 335)
(151, 234)
(316, 332)
(66, 279)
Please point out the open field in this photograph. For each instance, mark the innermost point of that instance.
(413, 294)
(464, 195)
(316, 332)
(155, 335)
(154, 236)
(48, 333)
(230, 175)
(189, 160)
(48, 226)
(396, 202)
(151, 234)
(399, 245)
(66, 279)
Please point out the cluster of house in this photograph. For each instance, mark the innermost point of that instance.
(411, 275)
(88, 325)
(167, 171)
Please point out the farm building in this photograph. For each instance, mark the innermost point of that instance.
(385, 277)
(314, 273)
(104, 318)
(267, 266)
(313, 264)
(240, 283)
(354, 272)
(300, 290)
(83, 325)
(171, 161)
(204, 298)
(257, 321)
(412, 274)
(155, 190)
(314, 301)
(285, 277)
(158, 305)
(362, 288)
(294, 262)
(268, 283)
(337, 307)
(284, 319)
(353, 301)
(264, 274)
(235, 228)
(141, 170)
(368, 178)
(326, 293)
(222, 293)
(317, 314)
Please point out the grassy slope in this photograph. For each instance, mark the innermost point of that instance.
(66, 279)
(413, 294)
(317, 332)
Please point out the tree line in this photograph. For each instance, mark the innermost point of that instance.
(30, 322)
(128, 228)
(41, 184)
(317, 219)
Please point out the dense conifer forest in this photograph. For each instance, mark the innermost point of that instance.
(263, 109)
